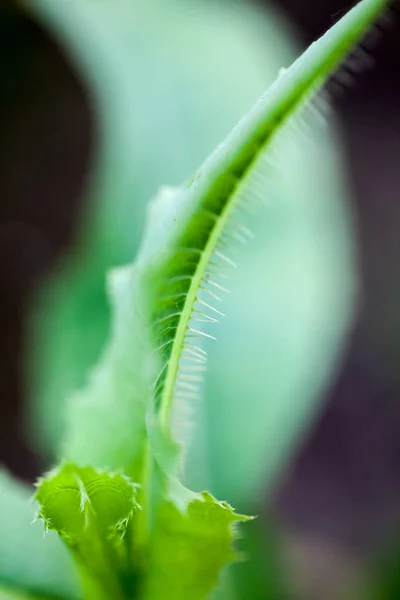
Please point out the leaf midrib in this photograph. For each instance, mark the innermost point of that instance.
(191, 298)
(308, 71)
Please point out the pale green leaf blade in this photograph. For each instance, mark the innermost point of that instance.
(30, 564)
(106, 419)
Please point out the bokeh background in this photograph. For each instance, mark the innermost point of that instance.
(337, 502)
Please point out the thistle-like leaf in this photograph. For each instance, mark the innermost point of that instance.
(163, 305)
(96, 514)
(93, 512)
(149, 97)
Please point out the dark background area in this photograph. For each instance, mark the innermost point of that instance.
(344, 487)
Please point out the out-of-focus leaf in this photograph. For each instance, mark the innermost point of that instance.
(167, 80)
(13, 595)
(31, 563)
(105, 421)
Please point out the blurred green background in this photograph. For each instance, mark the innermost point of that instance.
(101, 103)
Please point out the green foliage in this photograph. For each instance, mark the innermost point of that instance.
(181, 251)
(31, 565)
(132, 527)
(151, 98)
(96, 514)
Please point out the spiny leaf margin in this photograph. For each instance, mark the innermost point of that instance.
(92, 511)
(226, 180)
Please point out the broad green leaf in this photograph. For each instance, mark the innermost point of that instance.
(31, 566)
(160, 78)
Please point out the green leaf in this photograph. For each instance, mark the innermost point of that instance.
(188, 252)
(162, 99)
(180, 263)
(152, 363)
(30, 564)
(93, 512)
